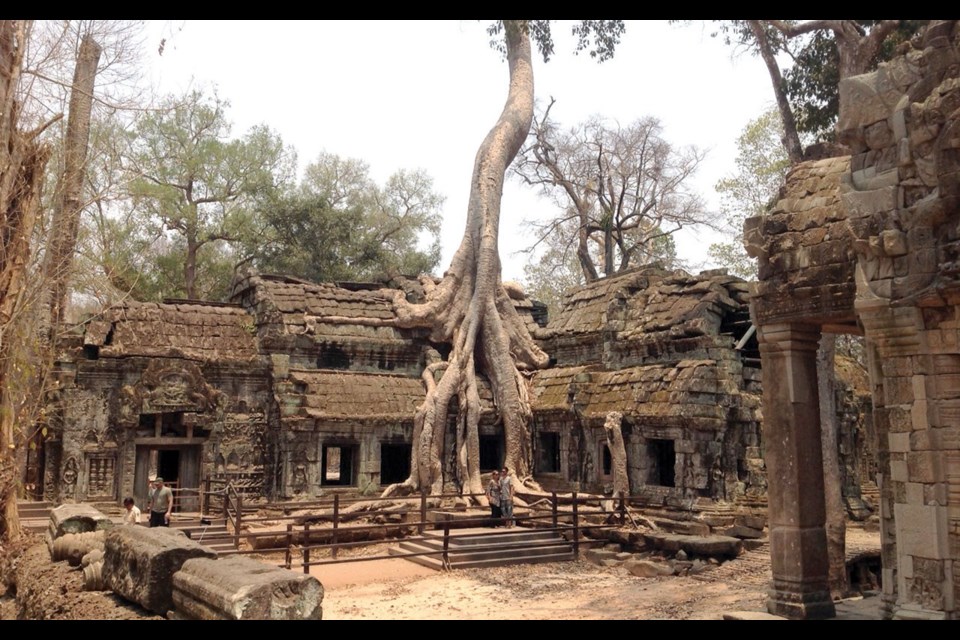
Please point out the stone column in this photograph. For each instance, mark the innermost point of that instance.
(793, 455)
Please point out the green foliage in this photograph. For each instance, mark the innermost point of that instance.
(812, 83)
(599, 37)
(196, 194)
(761, 167)
(340, 225)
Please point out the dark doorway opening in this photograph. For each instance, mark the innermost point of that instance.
(548, 455)
(663, 459)
(490, 452)
(394, 462)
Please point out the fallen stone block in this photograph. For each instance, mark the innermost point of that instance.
(139, 563)
(648, 569)
(740, 531)
(76, 518)
(597, 556)
(238, 588)
(701, 546)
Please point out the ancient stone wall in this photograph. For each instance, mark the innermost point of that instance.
(902, 196)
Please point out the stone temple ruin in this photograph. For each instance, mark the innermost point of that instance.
(295, 389)
(870, 243)
(291, 391)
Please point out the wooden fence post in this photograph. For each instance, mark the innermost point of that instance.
(336, 523)
(306, 547)
(423, 511)
(289, 554)
(576, 528)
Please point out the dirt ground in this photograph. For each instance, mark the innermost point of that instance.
(397, 589)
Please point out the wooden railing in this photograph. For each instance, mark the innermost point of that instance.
(233, 510)
(297, 535)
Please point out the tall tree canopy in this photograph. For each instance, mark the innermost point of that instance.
(340, 225)
(621, 191)
(197, 191)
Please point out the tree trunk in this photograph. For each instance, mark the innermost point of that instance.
(836, 523)
(190, 269)
(618, 453)
(791, 141)
(470, 309)
(583, 251)
(22, 162)
(66, 215)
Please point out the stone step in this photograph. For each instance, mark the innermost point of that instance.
(488, 548)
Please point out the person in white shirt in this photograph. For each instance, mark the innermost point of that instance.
(132, 515)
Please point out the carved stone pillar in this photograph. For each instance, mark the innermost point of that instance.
(791, 423)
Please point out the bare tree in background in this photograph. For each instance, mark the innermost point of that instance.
(623, 190)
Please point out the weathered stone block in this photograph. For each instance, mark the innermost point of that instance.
(894, 242)
(76, 518)
(597, 556)
(711, 546)
(139, 563)
(648, 569)
(862, 203)
(238, 588)
(740, 531)
(878, 135)
(921, 531)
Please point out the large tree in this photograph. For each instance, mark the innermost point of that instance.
(621, 190)
(469, 308)
(340, 225)
(23, 158)
(761, 168)
(198, 190)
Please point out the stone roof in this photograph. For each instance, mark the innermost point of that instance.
(361, 396)
(308, 308)
(690, 391)
(198, 331)
(646, 301)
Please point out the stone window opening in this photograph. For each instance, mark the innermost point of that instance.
(394, 462)
(338, 465)
(737, 325)
(548, 453)
(332, 357)
(607, 460)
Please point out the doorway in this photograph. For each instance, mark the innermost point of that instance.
(179, 466)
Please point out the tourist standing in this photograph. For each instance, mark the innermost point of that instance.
(161, 505)
(506, 497)
(493, 497)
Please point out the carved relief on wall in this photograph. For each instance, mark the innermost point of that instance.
(169, 387)
(68, 477)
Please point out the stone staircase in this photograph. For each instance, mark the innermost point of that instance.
(477, 547)
(210, 532)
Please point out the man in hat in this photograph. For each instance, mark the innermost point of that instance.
(161, 504)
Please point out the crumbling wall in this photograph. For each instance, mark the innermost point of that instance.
(902, 196)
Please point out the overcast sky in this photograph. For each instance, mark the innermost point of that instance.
(423, 94)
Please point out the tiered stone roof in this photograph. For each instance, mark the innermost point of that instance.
(198, 331)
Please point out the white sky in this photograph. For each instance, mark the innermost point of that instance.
(423, 94)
